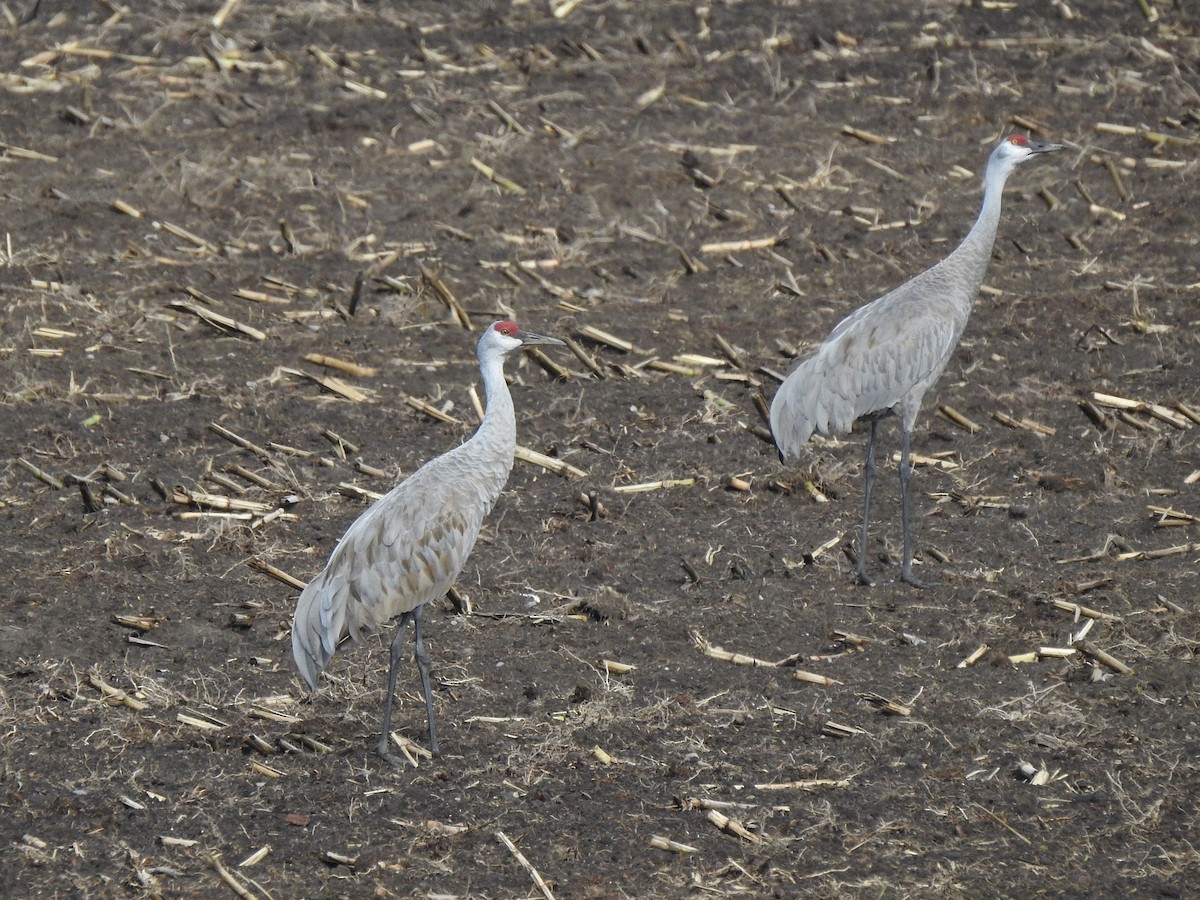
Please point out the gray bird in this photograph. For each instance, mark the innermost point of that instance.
(410, 545)
(883, 357)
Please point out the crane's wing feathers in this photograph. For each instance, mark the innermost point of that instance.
(880, 358)
(405, 550)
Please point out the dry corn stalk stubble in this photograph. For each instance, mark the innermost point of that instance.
(350, 192)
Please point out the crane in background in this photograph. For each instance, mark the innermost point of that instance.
(882, 358)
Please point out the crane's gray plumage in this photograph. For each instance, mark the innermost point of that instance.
(409, 546)
(884, 356)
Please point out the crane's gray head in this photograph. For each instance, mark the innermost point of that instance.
(1016, 148)
(506, 337)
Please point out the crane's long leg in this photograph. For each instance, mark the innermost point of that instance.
(868, 485)
(906, 471)
(422, 655)
(423, 669)
(385, 739)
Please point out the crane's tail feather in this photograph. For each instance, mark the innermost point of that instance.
(810, 401)
(317, 629)
(791, 424)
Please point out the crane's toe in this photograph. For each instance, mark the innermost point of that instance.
(385, 750)
(908, 577)
(396, 761)
(860, 567)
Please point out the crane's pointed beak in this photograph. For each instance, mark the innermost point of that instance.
(529, 337)
(1042, 147)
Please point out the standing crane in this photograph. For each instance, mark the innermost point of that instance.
(884, 356)
(410, 545)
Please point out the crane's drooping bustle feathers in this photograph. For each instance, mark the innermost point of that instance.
(409, 546)
(884, 356)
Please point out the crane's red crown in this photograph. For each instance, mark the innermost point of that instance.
(508, 329)
(1019, 140)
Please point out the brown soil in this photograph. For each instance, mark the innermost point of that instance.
(270, 163)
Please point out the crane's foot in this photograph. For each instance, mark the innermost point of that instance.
(385, 750)
(396, 761)
(860, 572)
(908, 577)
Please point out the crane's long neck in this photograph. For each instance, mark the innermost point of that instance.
(972, 256)
(498, 432)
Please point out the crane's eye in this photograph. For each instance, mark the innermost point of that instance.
(1018, 140)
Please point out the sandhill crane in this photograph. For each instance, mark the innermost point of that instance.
(410, 545)
(884, 356)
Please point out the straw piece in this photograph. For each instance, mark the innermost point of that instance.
(331, 384)
(1104, 657)
(732, 826)
(805, 785)
(549, 463)
(495, 177)
(236, 886)
(659, 842)
(114, 695)
(973, 657)
(959, 419)
(647, 486)
(447, 296)
(526, 865)
(723, 247)
(430, 410)
(39, 474)
(217, 320)
(278, 574)
(867, 137)
(600, 336)
(226, 10)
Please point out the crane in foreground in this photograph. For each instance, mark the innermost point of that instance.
(411, 544)
(882, 358)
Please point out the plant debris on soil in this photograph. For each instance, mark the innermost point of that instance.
(247, 251)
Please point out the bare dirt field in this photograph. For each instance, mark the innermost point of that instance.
(203, 221)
